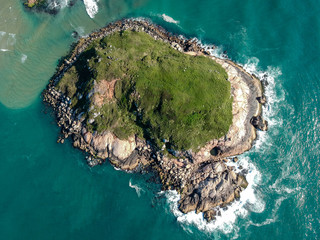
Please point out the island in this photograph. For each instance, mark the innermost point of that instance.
(147, 100)
(47, 6)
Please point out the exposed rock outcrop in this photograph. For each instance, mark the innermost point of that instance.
(259, 123)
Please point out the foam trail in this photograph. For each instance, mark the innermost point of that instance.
(169, 19)
(91, 7)
(136, 187)
(4, 50)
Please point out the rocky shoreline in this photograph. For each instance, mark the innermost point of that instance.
(202, 178)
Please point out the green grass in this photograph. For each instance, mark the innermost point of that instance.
(35, 3)
(162, 93)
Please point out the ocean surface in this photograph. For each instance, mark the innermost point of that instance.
(48, 192)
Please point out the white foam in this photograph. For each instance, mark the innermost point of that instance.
(273, 96)
(64, 3)
(136, 187)
(23, 58)
(249, 202)
(58, 4)
(9, 39)
(169, 19)
(91, 7)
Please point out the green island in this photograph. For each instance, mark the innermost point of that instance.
(147, 100)
(129, 83)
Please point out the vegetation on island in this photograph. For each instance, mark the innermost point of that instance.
(129, 83)
(34, 3)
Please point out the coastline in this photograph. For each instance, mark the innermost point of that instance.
(202, 178)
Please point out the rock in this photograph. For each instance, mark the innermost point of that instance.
(123, 148)
(242, 181)
(219, 167)
(87, 137)
(259, 123)
(128, 164)
(210, 215)
(262, 100)
(189, 203)
(75, 34)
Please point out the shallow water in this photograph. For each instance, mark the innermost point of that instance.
(48, 192)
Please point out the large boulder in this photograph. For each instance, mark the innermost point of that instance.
(106, 143)
(259, 123)
(123, 148)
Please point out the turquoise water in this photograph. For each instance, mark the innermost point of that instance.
(48, 192)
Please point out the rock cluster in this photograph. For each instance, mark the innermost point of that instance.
(203, 179)
(259, 123)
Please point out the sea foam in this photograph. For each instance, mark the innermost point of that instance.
(23, 58)
(136, 187)
(91, 7)
(249, 202)
(169, 19)
(58, 4)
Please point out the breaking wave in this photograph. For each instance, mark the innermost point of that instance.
(91, 7)
(225, 222)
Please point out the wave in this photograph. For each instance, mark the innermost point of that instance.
(268, 80)
(169, 19)
(274, 94)
(23, 58)
(7, 40)
(225, 222)
(58, 4)
(91, 7)
(136, 187)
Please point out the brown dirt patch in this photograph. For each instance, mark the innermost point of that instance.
(104, 91)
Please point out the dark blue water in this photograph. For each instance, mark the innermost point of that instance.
(48, 192)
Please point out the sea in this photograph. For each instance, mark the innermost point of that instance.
(48, 192)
